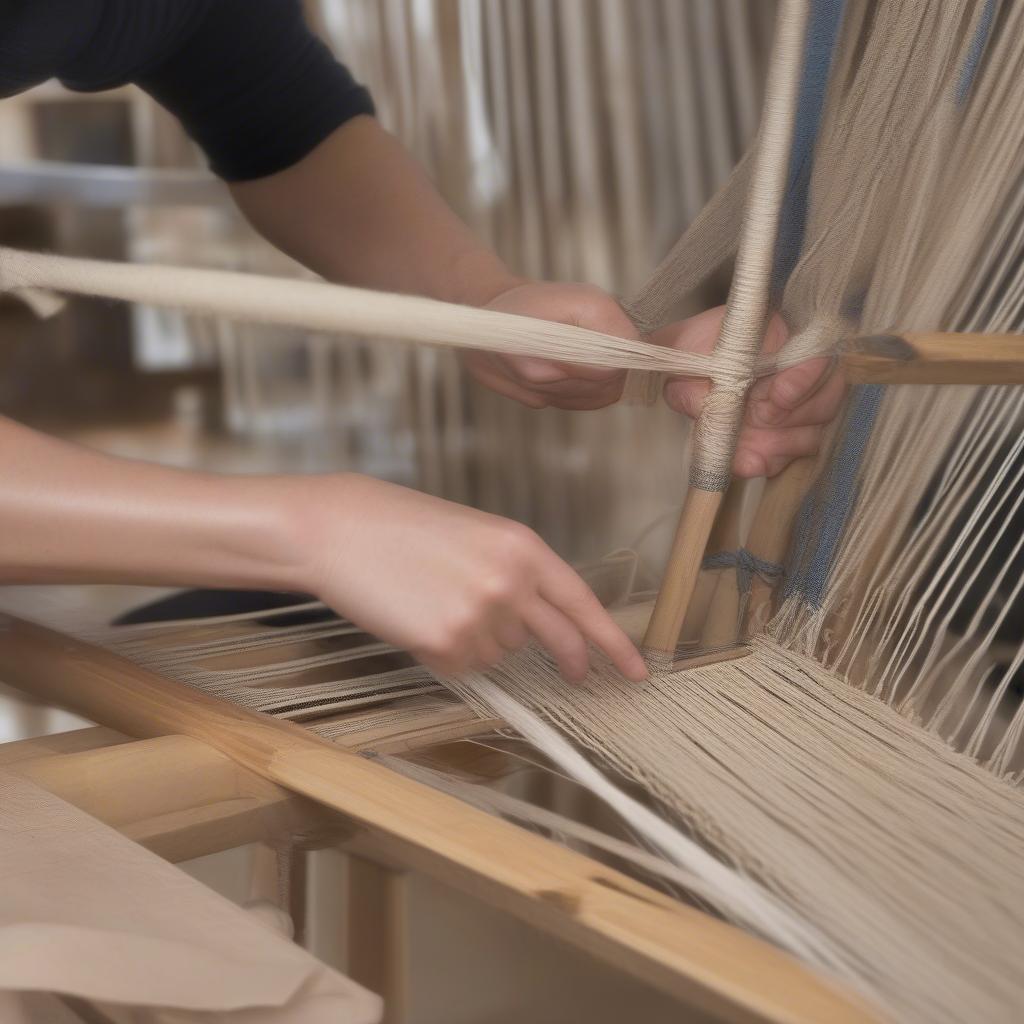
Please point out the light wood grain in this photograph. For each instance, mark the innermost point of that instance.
(683, 570)
(722, 620)
(70, 742)
(771, 534)
(377, 902)
(174, 795)
(932, 358)
(703, 962)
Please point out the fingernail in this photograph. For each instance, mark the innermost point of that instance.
(638, 673)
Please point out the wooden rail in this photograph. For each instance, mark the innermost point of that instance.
(705, 963)
(932, 358)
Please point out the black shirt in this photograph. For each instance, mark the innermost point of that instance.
(247, 78)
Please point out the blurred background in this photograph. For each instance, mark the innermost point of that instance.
(578, 137)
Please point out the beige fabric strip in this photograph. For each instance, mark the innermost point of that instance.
(85, 912)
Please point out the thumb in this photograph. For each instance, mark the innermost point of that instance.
(697, 334)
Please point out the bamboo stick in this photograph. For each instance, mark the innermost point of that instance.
(745, 319)
(704, 962)
(770, 535)
(722, 618)
(683, 570)
(726, 535)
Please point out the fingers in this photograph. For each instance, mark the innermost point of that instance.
(510, 632)
(696, 334)
(557, 633)
(484, 372)
(687, 396)
(800, 402)
(766, 452)
(790, 388)
(488, 652)
(566, 590)
(538, 384)
(785, 412)
(539, 372)
(566, 387)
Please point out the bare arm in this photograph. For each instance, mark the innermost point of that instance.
(359, 209)
(456, 587)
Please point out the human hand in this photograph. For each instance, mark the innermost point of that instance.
(457, 588)
(540, 382)
(786, 413)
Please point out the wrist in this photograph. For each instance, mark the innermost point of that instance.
(308, 523)
(479, 276)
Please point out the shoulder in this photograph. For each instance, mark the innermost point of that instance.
(38, 36)
(255, 87)
(128, 37)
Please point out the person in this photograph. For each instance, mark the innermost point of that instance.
(294, 136)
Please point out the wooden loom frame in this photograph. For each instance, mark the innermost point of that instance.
(203, 776)
(905, 357)
(251, 778)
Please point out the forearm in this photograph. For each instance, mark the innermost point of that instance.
(360, 210)
(69, 514)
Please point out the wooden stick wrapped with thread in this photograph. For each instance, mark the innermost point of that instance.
(738, 346)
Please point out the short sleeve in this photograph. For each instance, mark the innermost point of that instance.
(254, 87)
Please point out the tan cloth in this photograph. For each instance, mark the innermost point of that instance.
(85, 912)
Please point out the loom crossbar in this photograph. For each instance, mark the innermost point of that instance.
(935, 358)
(705, 963)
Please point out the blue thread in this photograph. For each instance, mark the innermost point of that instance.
(819, 47)
(972, 60)
(747, 566)
(830, 503)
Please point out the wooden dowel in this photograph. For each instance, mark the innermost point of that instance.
(931, 358)
(771, 533)
(704, 962)
(722, 616)
(683, 569)
(746, 317)
(726, 535)
(377, 940)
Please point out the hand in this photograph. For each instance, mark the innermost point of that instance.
(457, 588)
(540, 382)
(786, 412)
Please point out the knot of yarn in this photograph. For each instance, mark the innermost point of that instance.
(747, 566)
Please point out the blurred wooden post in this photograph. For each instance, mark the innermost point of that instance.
(376, 918)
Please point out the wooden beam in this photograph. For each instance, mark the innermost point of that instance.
(931, 358)
(705, 963)
(71, 742)
(378, 933)
(176, 796)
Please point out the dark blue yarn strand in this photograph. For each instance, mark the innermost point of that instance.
(823, 26)
(972, 60)
(828, 506)
(826, 17)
